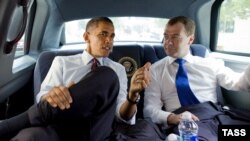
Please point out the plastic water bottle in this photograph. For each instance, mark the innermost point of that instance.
(188, 129)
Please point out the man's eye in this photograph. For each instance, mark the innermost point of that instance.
(175, 37)
(166, 37)
(103, 34)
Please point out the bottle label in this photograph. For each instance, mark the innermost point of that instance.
(194, 138)
(189, 137)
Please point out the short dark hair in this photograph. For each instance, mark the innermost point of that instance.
(96, 20)
(187, 22)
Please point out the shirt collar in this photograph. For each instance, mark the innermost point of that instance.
(188, 58)
(86, 58)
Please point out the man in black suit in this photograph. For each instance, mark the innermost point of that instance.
(77, 103)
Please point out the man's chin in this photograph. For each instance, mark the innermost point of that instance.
(174, 55)
(106, 55)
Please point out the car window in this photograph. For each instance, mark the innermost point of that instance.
(20, 47)
(234, 29)
(126, 28)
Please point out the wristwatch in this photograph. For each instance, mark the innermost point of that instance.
(133, 102)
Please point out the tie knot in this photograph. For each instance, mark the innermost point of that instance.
(180, 61)
(95, 64)
(94, 60)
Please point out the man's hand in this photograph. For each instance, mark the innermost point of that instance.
(139, 81)
(175, 119)
(59, 97)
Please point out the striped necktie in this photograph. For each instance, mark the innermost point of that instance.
(95, 64)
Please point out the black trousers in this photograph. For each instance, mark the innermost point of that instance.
(89, 118)
(212, 115)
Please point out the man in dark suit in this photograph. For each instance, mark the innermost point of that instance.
(78, 103)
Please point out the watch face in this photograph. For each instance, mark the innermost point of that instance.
(137, 99)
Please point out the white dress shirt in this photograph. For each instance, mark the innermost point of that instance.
(204, 75)
(65, 69)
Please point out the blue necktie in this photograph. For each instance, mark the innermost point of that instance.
(185, 94)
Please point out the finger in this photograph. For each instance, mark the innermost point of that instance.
(65, 96)
(59, 98)
(144, 84)
(67, 93)
(139, 76)
(142, 69)
(147, 81)
(147, 77)
(142, 78)
(138, 72)
(138, 80)
(147, 65)
(146, 73)
(195, 118)
(68, 96)
(50, 101)
(51, 97)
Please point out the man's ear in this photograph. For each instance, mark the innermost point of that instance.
(86, 37)
(191, 39)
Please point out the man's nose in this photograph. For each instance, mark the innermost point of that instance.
(109, 39)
